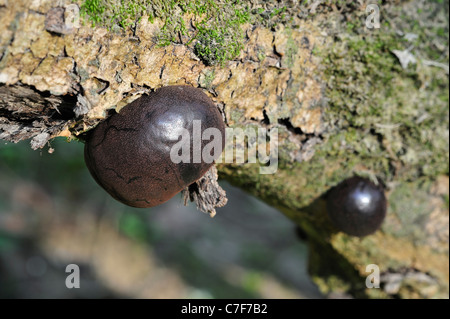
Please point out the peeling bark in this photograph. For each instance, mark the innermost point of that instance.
(61, 81)
(206, 193)
(29, 114)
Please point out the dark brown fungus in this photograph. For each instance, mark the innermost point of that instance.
(156, 146)
(357, 206)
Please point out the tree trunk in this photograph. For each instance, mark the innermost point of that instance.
(347, 97)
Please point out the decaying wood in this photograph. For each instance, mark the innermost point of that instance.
(61, 81)
(28, 114)
(206, 193)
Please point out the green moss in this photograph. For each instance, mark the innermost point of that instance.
(274, 14)
(108, 13)
(216, 35)
(217, 45)
(388, 118)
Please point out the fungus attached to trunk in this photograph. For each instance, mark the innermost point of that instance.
(156, 146)
(357, 206)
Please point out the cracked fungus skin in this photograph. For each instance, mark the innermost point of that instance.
(129, 153)
(357, 206)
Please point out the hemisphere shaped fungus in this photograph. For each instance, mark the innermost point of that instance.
(131, 153)
(357, 206)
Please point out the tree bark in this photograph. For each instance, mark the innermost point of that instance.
(334, 89)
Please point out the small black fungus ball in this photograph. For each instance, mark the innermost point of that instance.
(131, 153)
(357, 206)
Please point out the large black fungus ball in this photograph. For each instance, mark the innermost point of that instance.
(357, 206)
(156, 146)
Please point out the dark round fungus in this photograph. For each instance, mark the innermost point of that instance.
(131, 153)
(357, 206)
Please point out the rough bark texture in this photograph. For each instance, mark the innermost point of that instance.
(335, 90)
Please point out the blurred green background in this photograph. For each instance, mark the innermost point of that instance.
(52, 214)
